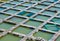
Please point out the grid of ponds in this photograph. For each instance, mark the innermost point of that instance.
(26, 21)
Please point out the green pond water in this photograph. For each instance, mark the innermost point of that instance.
(54, 9)
(33, 23)
(25, 13)
(23, 30)
(58, 39)
(44, 35)
(8, 5)
(34, 10)
(47, 3)
(17, 19)
(20, 7)
(52, 27)
(12, 11)
(5, 25)
(15, 2)
(36, 1)
(48, 13)
(56, 20)
(3, 16)
(57, 5)
(1, 8)
(28, 4)
(10, 37)
(40, 6)
(42, 17)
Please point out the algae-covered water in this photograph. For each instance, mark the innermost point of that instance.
(10, 37)
(58, 38)
(43, 35)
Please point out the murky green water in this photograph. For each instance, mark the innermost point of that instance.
(34, 10)
(40, 6)
(15, 2)
(3, 16)
(42, 17)
(5, 25)
(47, 3)
(23, 30)
(10, 37)
(33, 23)
(57, 5)
(12, 11)
(56, 20)
(52, 27)
(17, 19)
(44, 35)
(58, 39)
(28, 4)
(8, 5)
(1, 8)
(24, 13)
(49, 13)
(54, 9)
(20, 7)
